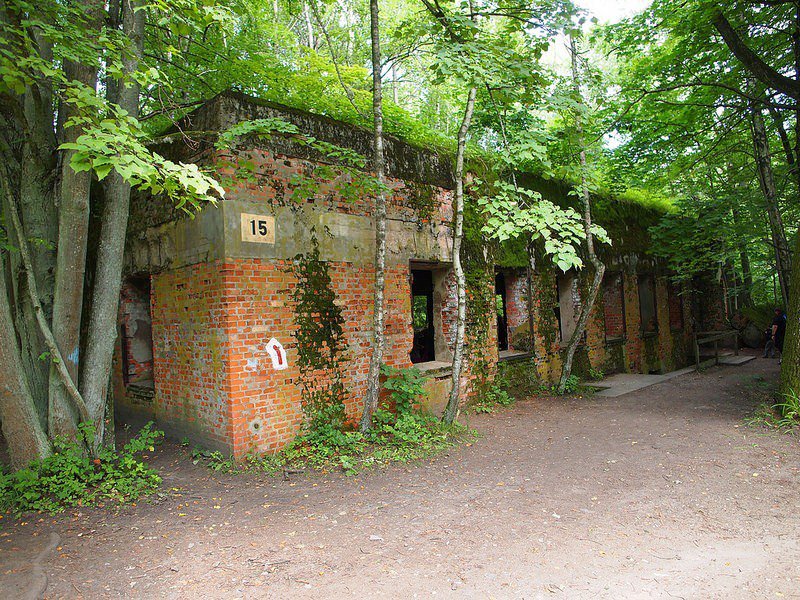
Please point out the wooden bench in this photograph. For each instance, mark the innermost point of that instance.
(714, 337)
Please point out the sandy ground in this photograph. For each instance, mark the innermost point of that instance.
(663, 493)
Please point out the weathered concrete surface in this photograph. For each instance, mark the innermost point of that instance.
(403, 160)
(625, 383)
(342, 237)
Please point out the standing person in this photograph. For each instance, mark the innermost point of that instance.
(779, 329)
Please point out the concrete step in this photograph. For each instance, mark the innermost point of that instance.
(735, 360)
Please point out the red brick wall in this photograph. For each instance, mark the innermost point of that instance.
(215, 379)
(191, 315)
(275, 180)
(266, 403)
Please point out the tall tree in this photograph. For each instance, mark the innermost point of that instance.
(763, 159)
(451, 410)
(60, 134)
(378, 341)
(599, 268)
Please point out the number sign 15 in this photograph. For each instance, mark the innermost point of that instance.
(258, 228)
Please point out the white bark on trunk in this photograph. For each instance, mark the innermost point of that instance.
(599, 267)
(373, 378)
(452, 409)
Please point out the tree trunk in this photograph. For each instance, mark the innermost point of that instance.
(110, 254)
(796, 51)
(752, 62)
(451, 411)
(25, 437)
(767, 183)
(786, 144)
(37, 171)
(599, 267)
(73, 222)
(376, 360)
(531, 273)
(790, 357)
(58, 363)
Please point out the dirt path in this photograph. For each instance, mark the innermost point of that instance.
(664, 493)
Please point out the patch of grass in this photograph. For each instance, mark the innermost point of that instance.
(69, 477)
(783, 416)
(765, 415)
(572, 387)
(789, 410)
(215, 460)
(596, 374)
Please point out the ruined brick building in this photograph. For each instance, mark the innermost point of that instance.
(207, 343)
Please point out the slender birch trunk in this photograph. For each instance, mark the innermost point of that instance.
(452, 409)
(108, 276)
(599, 267)
(373, 378)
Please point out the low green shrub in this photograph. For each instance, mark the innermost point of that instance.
(572, 384)
(491, 398)
(596, 374)
(405, 387)
(69, 477)
(400, 433)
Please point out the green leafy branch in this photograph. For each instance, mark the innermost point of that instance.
(515, 211)
(113, 140)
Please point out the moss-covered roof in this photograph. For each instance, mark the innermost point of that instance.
(625, 216)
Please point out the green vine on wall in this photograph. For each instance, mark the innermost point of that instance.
(479, 276)
(321, 343)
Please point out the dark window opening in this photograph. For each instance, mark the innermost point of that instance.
(675, 306)
(423, 349)
(501, 308)
(647, 304)
(614, 306)
(136, 333)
